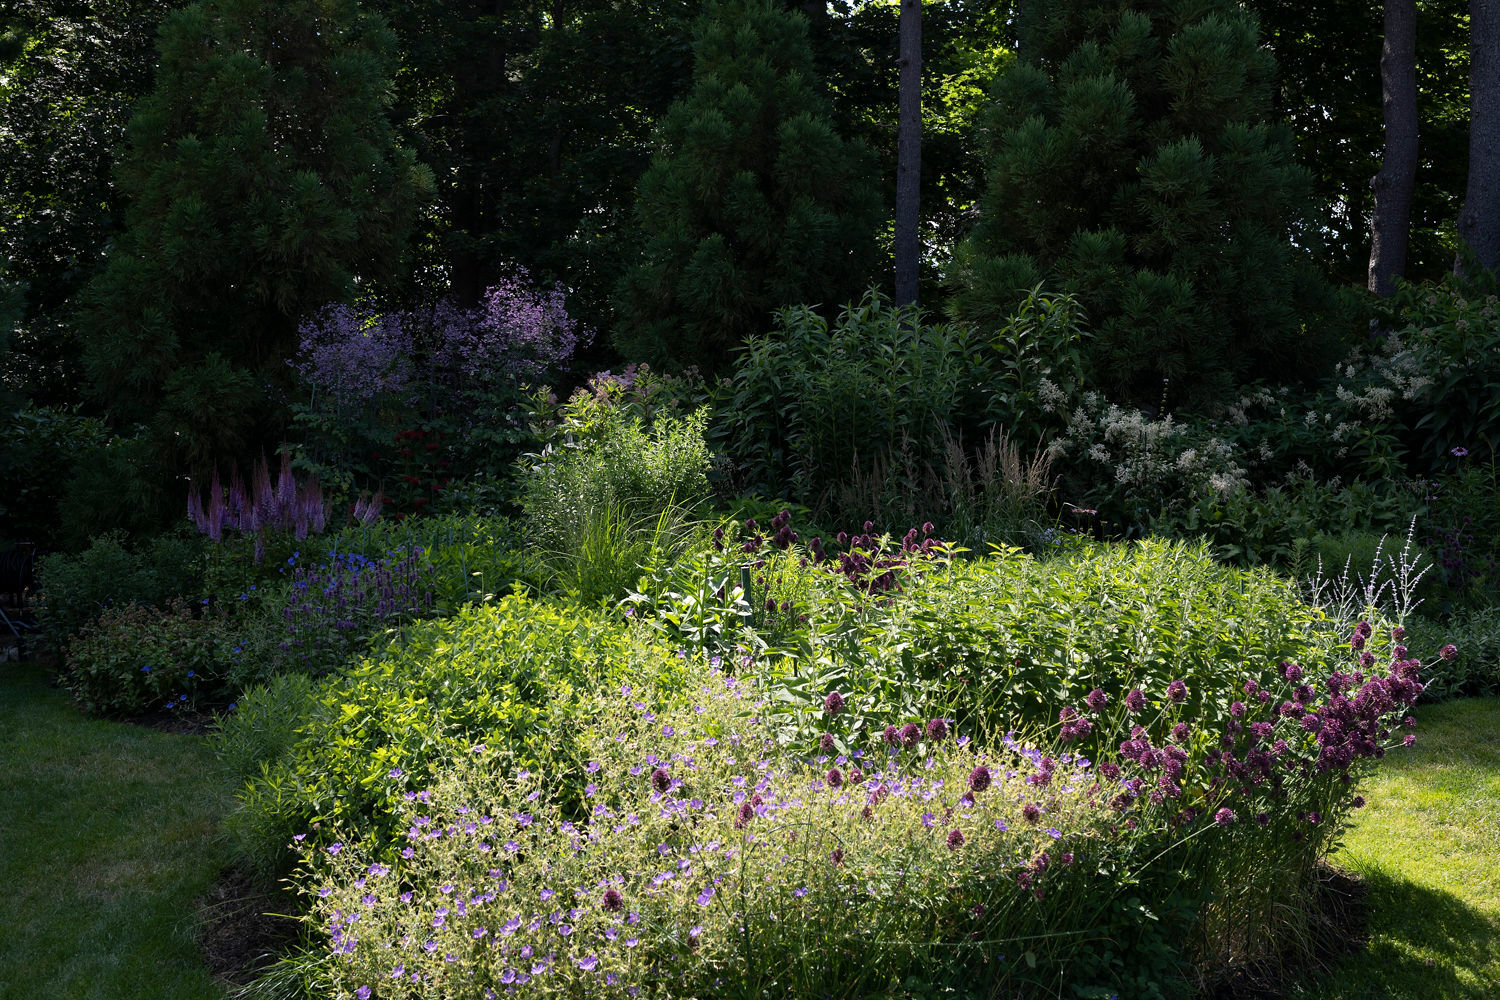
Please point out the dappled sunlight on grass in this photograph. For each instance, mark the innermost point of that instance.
(1428, 847)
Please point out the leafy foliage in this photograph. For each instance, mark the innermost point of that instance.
(1134, 161)
(752, 203)
(264, 180)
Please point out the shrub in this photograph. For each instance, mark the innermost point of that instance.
(409, 401)
(73, 589)
(711, 859)
(1474, 669)
(614, 474)
(135, 659)
(513, 674)
(37, 455)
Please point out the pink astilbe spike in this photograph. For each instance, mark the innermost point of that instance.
(263, 496)
(317, 510)
(195, 510)
(215, 516)
(286, 491)
(235, 506)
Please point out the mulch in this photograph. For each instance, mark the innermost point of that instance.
(1341, 929)
(239, 930)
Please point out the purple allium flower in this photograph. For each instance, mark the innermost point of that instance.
(1110, 770)
(1292, 672)
(1263, 818)
(1408, 739)
(1358, 802)
(1032, 812)
(1224, 816)
(892, 736)
(1398, 633)
(834, 777)
(660, 779)
(837, 857)
(955, 839)
(937, 730)
(613, 901)
(911, 734)
(1237, 709)
(1180, 732)
(745, 815)
(1356, 642)
(1363, 629)
(825, 743)
(1096, 700)
(1177, 691)
(834, 703)
(1135, 700)
(979, 778)
(1448, 652)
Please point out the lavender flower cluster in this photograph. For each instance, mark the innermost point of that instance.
(357, 357)
(283, 506)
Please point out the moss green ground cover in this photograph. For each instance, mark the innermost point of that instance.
(1428, 847)
(108, 832)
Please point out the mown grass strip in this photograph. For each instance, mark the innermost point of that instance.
(108, 832)
(1428, 847)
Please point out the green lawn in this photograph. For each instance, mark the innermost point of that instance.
(1428, 847)
(107, 835)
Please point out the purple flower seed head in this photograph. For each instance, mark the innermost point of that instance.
(1224, 816)
(825, 743)
(937, 730)
(955, 839)
(1178, 692)
(834, 703)
(1448, 652)
(834, 777)
(979, 778)
(613, 901)
(660, 779)
(1096, 700)
(1135, 700)
(911, 734)
(892, 736)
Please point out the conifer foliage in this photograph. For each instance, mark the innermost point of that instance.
(1133, 162)
(264, 181)
(753, 201)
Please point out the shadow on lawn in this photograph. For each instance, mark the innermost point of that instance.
(1424, 943)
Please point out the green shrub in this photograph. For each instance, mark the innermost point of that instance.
(133, 659)
(623, 466)
(73, 589)
(36, 458)
(515, 674)
(715, 860)
(1475, 667)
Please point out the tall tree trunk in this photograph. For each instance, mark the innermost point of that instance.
(1390, 219)
(909, 156)
(1479, 222)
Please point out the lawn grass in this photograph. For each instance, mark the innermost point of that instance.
(1428, 848)
(107, 835)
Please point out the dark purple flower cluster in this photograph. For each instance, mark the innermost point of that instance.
(334, 605)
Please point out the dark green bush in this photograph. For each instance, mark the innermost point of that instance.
(37, 454)
(515, 674)
(73, 589)
(134, 659)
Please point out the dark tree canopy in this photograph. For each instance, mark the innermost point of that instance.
(1135, 161)
(69, 72)
(753, 201)
(265, 182)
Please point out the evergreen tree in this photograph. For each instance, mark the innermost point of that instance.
(1133, 162)
(753, 201)
(264, 182)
